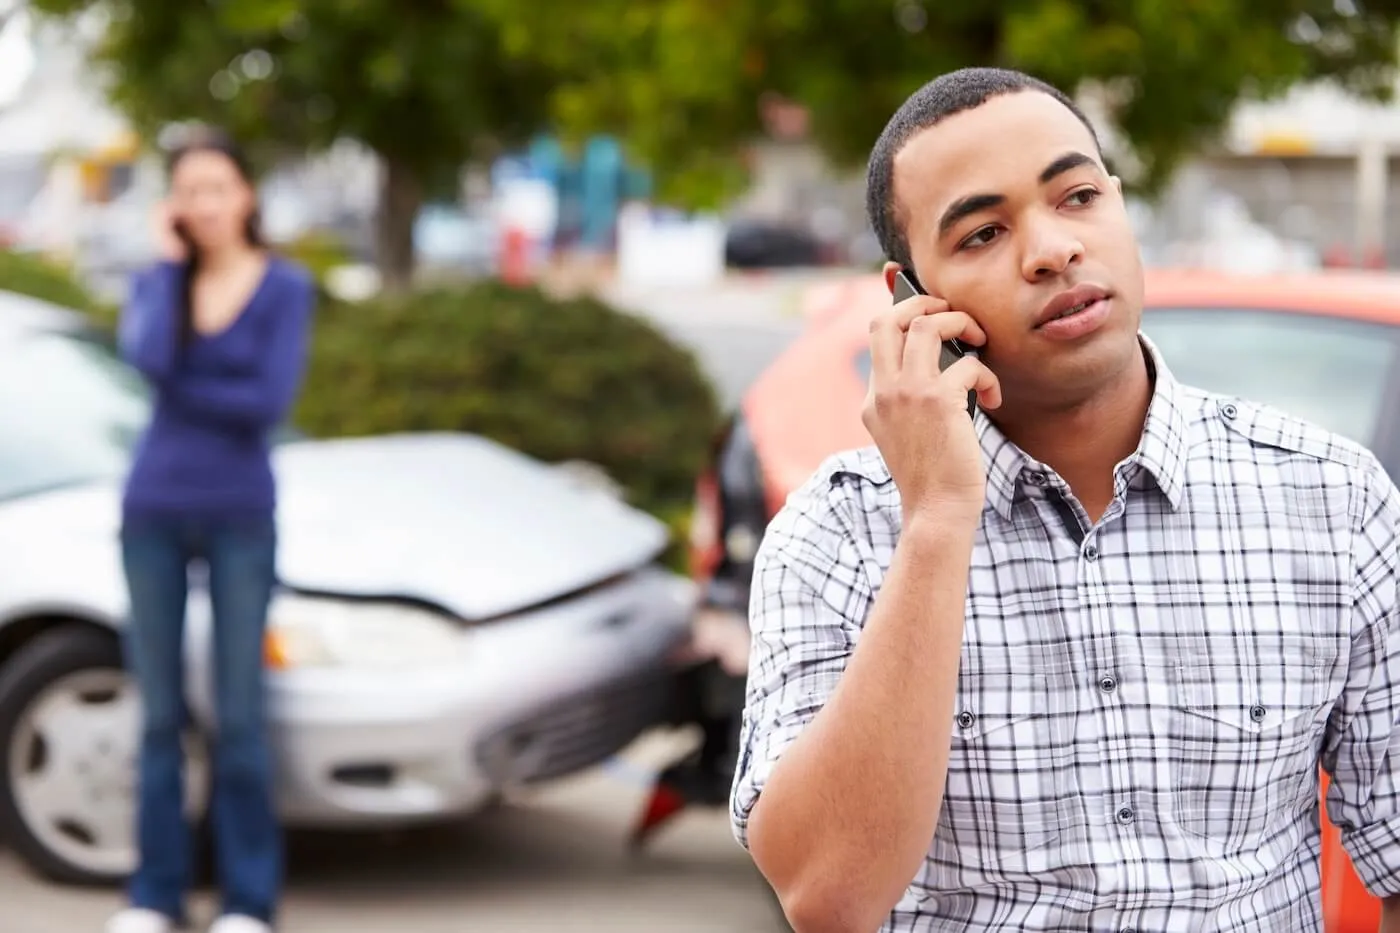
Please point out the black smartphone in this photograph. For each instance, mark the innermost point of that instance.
(906, 286)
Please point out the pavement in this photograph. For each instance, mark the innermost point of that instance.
(552, 861)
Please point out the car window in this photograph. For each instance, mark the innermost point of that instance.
(70, 411)
(1327, 370)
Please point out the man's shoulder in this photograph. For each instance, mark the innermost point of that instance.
(857, 478)
(859, 465)
(1263, 428)
(850, 495)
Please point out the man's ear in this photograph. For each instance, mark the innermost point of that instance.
(1117, 183)
(890, 270)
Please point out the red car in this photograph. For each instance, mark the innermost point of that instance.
(1323, 346)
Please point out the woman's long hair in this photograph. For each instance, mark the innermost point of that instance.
(208, 139)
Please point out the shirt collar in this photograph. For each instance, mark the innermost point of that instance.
(1161, 452)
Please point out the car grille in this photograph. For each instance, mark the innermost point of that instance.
(576, 733)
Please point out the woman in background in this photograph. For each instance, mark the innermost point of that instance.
(219, 327)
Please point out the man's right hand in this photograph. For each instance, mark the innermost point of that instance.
(917, 415)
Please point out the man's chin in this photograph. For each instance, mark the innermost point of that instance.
(1073, 376)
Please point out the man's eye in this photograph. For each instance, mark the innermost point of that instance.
(980, 238)
(1083, 197)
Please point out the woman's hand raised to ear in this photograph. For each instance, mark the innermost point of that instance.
(169, 245)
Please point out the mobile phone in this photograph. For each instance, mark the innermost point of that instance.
(906, 286)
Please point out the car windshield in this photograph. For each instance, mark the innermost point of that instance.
(1328, 370)
(71, 411)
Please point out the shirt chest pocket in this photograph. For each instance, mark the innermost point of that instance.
(1003, 803)
(1248, 734)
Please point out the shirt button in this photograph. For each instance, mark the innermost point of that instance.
(1125, 815)
(1091, 553)
(1257, 713)
(966, 719)
(1229, 411)
(1108, 683)
(1035, 478)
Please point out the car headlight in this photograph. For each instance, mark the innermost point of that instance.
(312, 632)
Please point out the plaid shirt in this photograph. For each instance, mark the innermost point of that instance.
(1143, 703)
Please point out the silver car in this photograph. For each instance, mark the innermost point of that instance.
(455, 619)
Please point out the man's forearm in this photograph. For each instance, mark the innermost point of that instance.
(851, 807)
(1390, 915)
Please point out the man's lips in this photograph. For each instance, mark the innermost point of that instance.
(1070, 302)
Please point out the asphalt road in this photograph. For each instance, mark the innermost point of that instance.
(552, 862)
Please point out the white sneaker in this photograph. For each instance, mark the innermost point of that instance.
(139, 920)
(237, 923)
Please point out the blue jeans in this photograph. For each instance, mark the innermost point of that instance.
(240, 555)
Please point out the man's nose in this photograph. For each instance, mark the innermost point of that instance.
(1049, 251)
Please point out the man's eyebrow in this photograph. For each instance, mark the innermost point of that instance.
(973, 203)
(1065, 163)
(962, 207)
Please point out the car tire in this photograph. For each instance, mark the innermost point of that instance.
(48, 660)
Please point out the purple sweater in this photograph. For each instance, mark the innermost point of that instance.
(206, 450)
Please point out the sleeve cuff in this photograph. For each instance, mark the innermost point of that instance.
(1375, 855)
(752, 776)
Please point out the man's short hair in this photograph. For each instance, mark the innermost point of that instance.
(942, 97)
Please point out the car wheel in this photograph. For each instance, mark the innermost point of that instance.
(69, 732)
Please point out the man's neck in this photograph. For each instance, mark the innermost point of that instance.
(1083, 444)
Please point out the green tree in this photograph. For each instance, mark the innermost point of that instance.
(432, 84)
(680, 79)
(425, 85)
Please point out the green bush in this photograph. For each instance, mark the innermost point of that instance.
(559, 380)
(46, 279)
(319, 252)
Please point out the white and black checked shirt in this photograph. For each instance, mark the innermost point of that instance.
(1143, 704)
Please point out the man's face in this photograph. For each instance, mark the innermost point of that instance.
(1007, 209)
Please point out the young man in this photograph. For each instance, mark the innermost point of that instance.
(1073, 663)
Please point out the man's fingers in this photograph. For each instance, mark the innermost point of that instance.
(886, 348)
(924, 346)
(958, 325)
(911, 309)
(921, 320)
(970, 374)
(890, 329)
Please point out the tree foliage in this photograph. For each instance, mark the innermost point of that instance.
(432, 83)
(680, 78)
(425, 84)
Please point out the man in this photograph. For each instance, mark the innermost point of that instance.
(1071, 664)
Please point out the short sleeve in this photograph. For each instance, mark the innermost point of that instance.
(810, 595)
(1362, 749)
